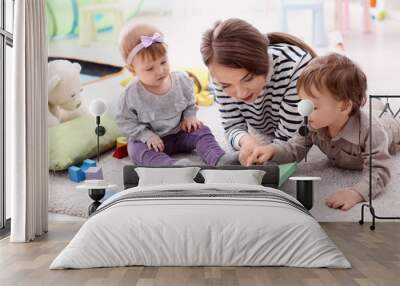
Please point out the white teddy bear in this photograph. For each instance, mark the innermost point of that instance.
(64, 86)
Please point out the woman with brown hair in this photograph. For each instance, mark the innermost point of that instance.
(254, 81)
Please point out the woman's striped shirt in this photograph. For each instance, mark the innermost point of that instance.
(275, 111)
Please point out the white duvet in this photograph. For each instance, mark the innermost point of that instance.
(184, 230)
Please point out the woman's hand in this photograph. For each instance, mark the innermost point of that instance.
(155, 143)
(244, 155)
(260, 155)
(247, 144)
(190, 124)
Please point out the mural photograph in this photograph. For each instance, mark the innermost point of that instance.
(200, 142)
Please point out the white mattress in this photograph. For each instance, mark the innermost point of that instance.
(182, 230)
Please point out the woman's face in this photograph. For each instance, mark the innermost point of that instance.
(238, 83)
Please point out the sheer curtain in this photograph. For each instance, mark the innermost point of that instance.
(26, 121)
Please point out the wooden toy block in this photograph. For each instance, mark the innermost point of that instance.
(121, 141)
(94, 173)
(76, 174)
(87, 164)
(121, 152)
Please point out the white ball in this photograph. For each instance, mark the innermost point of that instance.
(97, 107)
(305, 107)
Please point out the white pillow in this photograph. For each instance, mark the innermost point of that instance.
(162, 176)
(248, 177)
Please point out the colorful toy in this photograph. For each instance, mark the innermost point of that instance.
(94, 173)
(200, 78)
(64, 87)
(87, 164)
(204, 98)
(87, 170)
(121, 152)
(378, 9)
(122, 141)
(76, 174)
(381, 15)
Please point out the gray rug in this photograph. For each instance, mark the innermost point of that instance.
(64, 198)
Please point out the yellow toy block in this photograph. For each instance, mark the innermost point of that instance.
(121, 141)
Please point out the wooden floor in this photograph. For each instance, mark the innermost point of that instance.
(374, 255)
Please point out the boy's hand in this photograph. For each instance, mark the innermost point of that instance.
(344, 199)
(155, 143)
(260, 155)
(190, 124)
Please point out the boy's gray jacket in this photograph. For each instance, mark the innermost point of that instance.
(142, 114)
(350, 149)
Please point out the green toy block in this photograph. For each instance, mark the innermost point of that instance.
(285, 171)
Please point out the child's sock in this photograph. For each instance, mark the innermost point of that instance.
(229, 158)
(183, 162)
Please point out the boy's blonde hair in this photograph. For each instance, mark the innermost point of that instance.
(338, 75)
(130, 37)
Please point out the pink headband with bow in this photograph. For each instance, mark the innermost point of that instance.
(145, 42)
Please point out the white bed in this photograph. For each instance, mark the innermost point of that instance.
(201, 224)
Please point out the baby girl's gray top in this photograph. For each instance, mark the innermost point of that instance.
(142, 114)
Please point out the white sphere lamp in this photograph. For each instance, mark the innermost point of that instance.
(305, 108)
(98, 107)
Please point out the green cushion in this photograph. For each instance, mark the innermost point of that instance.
(74, 141)
(285, 171)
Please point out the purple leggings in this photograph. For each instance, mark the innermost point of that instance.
(202, 140)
